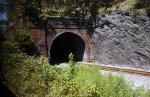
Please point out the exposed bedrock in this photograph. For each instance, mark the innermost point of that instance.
(123, 38)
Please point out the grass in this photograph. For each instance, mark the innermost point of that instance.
(139, 6)
(31, 77)
(125, 5)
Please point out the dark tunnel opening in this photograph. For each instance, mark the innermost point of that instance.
(65, 44)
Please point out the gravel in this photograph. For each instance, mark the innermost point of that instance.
(137, 80)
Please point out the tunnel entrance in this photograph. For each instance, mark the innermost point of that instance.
(65, 44)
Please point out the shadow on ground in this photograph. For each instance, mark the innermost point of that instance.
(5, 91)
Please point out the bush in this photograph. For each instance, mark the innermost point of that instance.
(6, 49)
(93, 84)
(19, 42)
(147, 94)
(29, 77)
(22, 38)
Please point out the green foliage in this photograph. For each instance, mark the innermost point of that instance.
(18, 8)
(137, 6)
(71, 63)
(37, 9)
(20, 42)
(142, 4)
(147, 94)
(94, 84)
(7, 48)
(29, 77)
(22, 38)
(71, 60)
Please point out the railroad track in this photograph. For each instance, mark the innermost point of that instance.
(118, 69)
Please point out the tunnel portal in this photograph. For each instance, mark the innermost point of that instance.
(65, 44)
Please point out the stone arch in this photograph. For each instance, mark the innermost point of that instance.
(64, 44)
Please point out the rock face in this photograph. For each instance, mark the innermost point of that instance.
(123, 38)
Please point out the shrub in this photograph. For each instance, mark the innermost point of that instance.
(19, 42)
(6, 49)
(147, 94)
(29, 77)
(22, 38)
(94, 84)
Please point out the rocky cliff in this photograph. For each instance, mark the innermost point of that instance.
(123, 38)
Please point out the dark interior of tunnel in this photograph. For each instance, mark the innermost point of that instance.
(65, 44)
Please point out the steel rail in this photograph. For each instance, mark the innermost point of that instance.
(119, 69)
